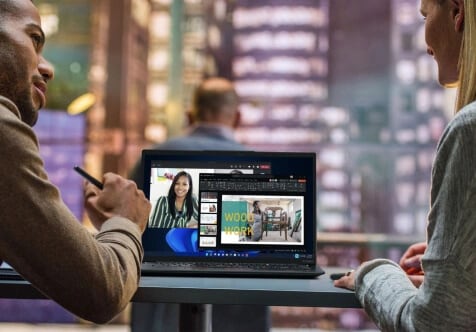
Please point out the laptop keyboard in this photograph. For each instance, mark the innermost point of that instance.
(226, 267)
(9, 274)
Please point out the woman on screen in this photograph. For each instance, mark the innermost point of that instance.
(256, 229)
(179, 208)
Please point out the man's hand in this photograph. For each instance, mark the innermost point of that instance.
(119, 197)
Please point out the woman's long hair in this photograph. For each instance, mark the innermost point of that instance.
(467, 59)
(188, 199)
(256, 208)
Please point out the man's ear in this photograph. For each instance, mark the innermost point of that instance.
(237, 119)
(458, 12)
(190, 118)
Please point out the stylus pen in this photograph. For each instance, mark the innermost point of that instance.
(88, 177)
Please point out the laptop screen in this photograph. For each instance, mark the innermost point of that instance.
(228, 205)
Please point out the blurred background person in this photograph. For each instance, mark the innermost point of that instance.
(213, 118)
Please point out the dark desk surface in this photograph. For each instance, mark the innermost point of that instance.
(319, 292)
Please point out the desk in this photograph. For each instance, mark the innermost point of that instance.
(319, 292)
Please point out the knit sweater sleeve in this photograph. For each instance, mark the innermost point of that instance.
(93, 277)
(446, 301)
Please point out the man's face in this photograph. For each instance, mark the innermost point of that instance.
(23, 70)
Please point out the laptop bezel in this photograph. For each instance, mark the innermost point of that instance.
(150, 155)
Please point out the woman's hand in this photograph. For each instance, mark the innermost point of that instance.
(411, 259)
(347, 281)
(192, 224)
(411, 262)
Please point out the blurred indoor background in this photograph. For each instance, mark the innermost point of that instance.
(349, 80)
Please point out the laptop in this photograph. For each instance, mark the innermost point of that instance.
(8, 273)
(249, 214)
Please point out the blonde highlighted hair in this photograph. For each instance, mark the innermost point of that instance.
(467, 59)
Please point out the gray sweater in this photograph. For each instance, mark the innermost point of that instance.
(446, 301)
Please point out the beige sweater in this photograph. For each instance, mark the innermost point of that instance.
(93, 277)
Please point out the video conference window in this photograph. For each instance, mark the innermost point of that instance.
(260, 219)
(231, 207)
(174, 196)
(251, 210)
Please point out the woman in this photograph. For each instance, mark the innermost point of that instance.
(177, 208)
(256, 229)
(446, 298)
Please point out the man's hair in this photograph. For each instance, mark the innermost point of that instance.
(214, 97)
(8, 8)
(467, 60)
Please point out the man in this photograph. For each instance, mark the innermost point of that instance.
(93, 277)
(213, 118)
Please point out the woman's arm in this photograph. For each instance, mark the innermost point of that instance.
(449, 261)
(160, 214)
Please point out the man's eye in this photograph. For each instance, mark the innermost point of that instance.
(37, 40)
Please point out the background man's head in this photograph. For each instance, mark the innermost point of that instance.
(215, 101)
(23, 70)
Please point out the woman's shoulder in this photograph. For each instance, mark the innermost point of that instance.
(466, 116)
(462, 126)
(162, 199)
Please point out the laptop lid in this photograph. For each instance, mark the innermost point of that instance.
(238, 206)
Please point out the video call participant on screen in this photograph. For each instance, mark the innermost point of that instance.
(446, 298)
(213, 118)
(94, 277)
(257, 227)
(179, 208)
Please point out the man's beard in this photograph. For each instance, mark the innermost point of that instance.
(24, 103)
(16, 86)
(20, 94)
(22, 99)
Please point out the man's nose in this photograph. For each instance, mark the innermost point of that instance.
(46, 69)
